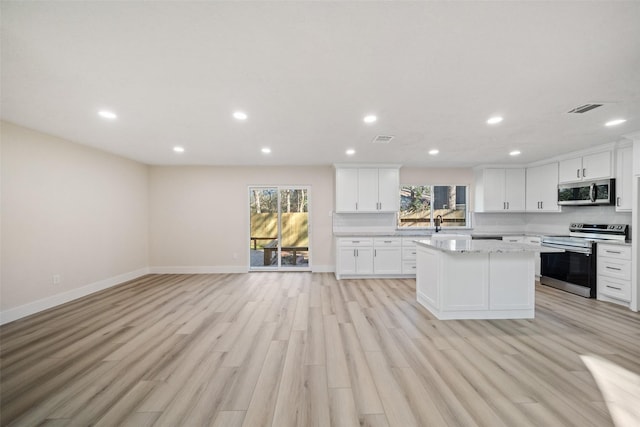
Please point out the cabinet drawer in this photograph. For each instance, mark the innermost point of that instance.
(355, 241)
(408, 267)
(512, 239)
(409, 253)
(620, 289)
(532, 240)
(381, 242)
(614, 251)
(610, 267)
(409, 242)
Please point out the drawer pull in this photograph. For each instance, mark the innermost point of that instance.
(613, 252)
(388, 241)
(355, 241)
(613, 268)
(413, 253)
(613, 287)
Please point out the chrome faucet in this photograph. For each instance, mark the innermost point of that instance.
(438, 222)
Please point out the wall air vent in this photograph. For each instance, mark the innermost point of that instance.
(584, 108)
(382, 139)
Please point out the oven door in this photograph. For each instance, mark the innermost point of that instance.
(573, 270)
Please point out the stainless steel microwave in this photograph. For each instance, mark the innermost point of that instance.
(587, 193)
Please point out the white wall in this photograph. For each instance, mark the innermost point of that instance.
(199, 215)
(67, 210)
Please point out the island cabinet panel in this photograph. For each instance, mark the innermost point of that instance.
(512, 286)
(481, 280)
(467, 288)
(428, 278)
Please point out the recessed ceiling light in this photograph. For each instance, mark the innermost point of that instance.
(240, 115)
(266, 150)
(178, 149)
(514, 153)
(370, 118)
(350, 152)
(434, 152)
(494, 120)
(615, 122)
(107, 114)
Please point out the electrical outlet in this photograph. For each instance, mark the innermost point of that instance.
(56, 279)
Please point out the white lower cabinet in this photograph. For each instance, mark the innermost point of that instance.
(614, 273)
(354, 256)
(373, 256)
(387, 255)
(409, 255)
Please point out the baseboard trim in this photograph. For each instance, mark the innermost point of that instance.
(228, 269)
(34, 307)
(223, 269)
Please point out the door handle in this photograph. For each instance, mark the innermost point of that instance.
(617, 201)
(577, 173)
(584, 172)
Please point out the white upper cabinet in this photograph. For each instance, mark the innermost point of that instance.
(367, 189)
(542, 188)
(624, 179)
(346, 190)
(500, 190)
(589, 167)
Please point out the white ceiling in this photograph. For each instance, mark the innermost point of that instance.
(307, 73)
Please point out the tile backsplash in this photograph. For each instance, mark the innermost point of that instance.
(549, 223)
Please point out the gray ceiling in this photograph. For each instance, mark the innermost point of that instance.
(307, 73)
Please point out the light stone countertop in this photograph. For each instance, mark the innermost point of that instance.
(482, 246)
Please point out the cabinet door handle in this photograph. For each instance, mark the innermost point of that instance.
(507, 205)
(613, 268)
(388, 241)
(613, 287)
(617, 201)
(356, 205)
(577, 173)
(584, 172)
(612, 252)
(375, 252)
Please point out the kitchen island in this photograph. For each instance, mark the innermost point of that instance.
(476, 279)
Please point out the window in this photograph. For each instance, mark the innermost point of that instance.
(421, 204)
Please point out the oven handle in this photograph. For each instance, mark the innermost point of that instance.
(586, 251)
(592, 192)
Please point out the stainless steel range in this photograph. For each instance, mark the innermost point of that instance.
(574, 270)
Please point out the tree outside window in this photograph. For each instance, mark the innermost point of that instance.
(420, 204)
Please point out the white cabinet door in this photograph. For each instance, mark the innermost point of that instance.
(597, 166)
(570, 170)
(514, 189)
(624, 179)
(542, 188)
(389, 189)
(346, 190)
(548, 187)
(387, 260)
(347, 260)
(590, 167)
(493, 182)
(367, 190)
(364, 260)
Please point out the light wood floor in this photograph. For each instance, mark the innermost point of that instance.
(286, 349)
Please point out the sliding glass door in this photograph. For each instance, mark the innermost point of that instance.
(279, 228)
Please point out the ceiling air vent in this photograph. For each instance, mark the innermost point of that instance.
(584, 108)
(382, 139)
